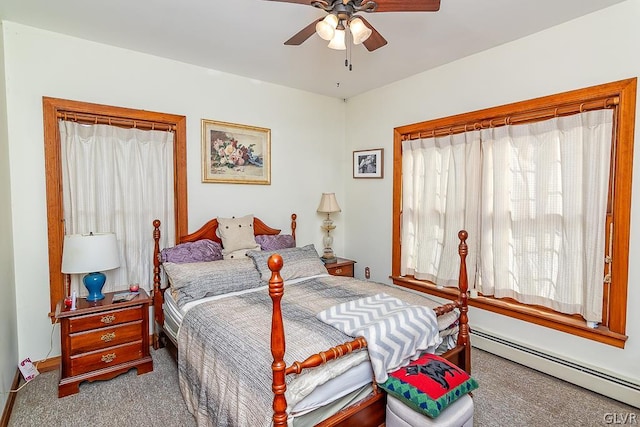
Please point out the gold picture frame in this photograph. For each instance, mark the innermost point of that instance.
(235, 154)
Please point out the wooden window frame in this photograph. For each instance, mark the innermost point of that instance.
(84, 112)
(620, 95)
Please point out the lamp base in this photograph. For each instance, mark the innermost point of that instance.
(94, 283)
(328, 257)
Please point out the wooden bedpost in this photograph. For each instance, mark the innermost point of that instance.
(157, 291)
(293, 225)
(278, 367)
(463, 284)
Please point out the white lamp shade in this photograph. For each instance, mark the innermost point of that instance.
(90, 253)
(359, 31)
(328, 203)
(337, 42)
(326, 28)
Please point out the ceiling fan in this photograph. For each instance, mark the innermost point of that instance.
(342, 14)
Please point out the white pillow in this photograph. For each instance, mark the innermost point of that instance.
(240, 253)
(236, 233)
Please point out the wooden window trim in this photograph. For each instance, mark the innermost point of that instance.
(623, 95)
(53, 109)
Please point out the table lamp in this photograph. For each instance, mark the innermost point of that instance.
(328, 205)
(90, 253)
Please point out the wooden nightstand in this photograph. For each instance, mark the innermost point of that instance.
(103, 339)
(342, 267)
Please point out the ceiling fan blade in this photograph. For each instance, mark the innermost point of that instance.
(407, 5)
(375, 40)
(302, 35)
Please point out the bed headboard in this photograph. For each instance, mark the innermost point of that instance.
(208, 231)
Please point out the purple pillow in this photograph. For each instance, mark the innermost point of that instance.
(275, 242)
(198, 251)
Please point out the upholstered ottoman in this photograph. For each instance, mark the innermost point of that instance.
(458, 414)
(430, 391)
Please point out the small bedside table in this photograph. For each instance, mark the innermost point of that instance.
(103, 339)
(342, 267)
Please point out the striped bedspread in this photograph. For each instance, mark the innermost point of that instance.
(396, 331)
(224, 362)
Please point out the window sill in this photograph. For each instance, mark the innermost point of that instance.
(549, 319)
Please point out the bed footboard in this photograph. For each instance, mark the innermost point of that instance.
(460, 355)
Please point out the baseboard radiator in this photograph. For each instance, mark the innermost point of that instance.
(593, 379)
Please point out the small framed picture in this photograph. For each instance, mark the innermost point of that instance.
(368, 163)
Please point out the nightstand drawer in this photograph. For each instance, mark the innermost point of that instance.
(105, 337)
(105, 318)
(105, 358)
(343, 270)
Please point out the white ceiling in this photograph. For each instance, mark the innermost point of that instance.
(245, 37)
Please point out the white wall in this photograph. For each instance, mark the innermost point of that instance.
(8, 331)
(41, 63)
(598, 48)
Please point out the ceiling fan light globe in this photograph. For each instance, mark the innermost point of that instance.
(326, 28)
(324, 31)
(337, 42)
(359, 31)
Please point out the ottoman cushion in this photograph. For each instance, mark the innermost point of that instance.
(429, 384)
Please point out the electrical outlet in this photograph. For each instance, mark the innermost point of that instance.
(367, 273)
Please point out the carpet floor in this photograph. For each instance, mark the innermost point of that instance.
(509, 395)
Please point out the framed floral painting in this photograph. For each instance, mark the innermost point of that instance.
(235, 154)
(368, 163)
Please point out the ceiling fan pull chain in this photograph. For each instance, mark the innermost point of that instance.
(347, 53)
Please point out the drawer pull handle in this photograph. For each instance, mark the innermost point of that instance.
(108, 336)
(338, 270)
(108, 319)
(108, 358)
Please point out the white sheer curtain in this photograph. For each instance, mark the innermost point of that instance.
(440, 191)
(118, 180)
(544, 201)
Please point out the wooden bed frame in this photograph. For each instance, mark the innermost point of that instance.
(367, 412)
(207, 231)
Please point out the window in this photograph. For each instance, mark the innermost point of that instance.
(459, 141)
(58, 109)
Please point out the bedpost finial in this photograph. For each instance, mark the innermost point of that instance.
(275, 262)
(156, 223)
(462, 235)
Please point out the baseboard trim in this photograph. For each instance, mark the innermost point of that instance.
(584, 376)
(8, 406)
(46, 365)
(50, 364)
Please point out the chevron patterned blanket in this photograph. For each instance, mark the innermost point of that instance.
(396, 331)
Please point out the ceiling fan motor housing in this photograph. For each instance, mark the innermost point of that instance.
(344, 9)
